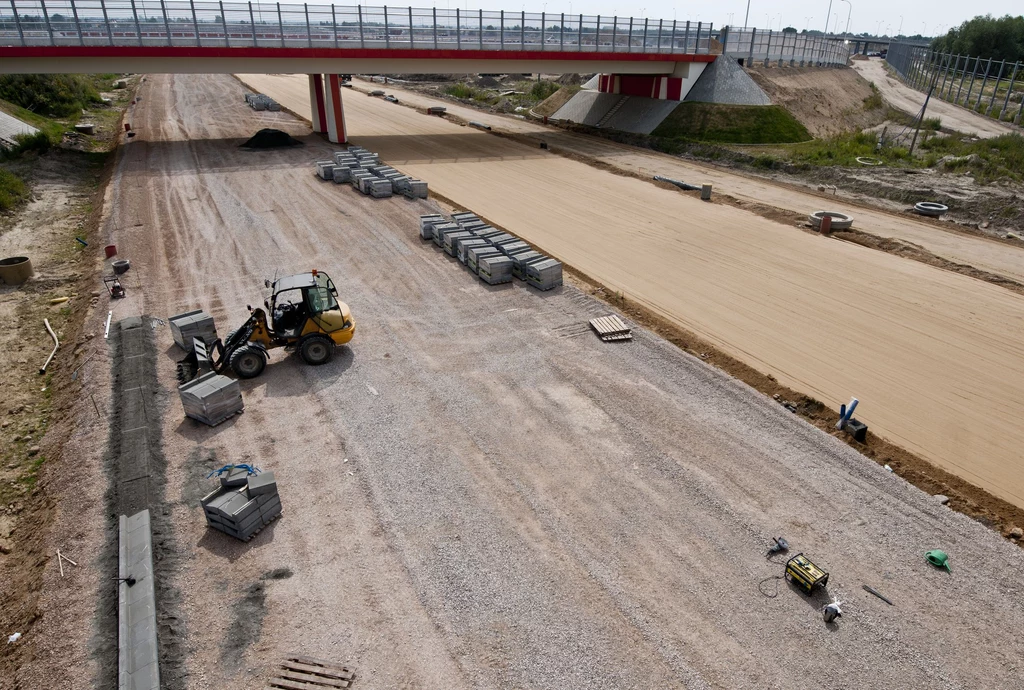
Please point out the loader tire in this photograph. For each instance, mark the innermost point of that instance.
(248, 362)
(317, 349)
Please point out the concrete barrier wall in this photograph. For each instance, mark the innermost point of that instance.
(138, 653)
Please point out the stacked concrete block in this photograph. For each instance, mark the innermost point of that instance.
(192, 324)
(544, 275)
(358, 176)
(241, 509)
(501, 238)
(380, 189)
(417, 189)
(211, 398)
(451, 241)
(460, 239)
(346, 159)
(475, 254)
(517, 247)
(401, 183)
(259, 101)
(462, 252)
(341, 174)
(494, 270)
(427, 225)
(325, 170)
(441, 230)
(520, 261)
(464, 216)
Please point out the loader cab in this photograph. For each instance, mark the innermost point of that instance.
(306, 303)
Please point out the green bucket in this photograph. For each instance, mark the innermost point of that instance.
(938, 558)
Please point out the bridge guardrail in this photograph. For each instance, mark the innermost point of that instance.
(202, 23)
(780, 47)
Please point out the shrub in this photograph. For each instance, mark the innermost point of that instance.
(59, 95)
(12, 190)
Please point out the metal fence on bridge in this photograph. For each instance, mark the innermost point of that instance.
(784, 48)
(984, 85)
(277, 25)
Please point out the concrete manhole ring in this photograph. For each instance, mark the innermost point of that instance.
(867, 160)
(840, 221)
(930, 208)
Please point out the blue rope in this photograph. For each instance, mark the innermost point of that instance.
(251, 469)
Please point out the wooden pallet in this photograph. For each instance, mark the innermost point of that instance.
(611, 328)
(303, 673)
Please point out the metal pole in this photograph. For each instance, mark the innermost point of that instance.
(945, 73)
(522, 31)
(963, 78)
(501, 31)
(1020, 111)
(458, 27)
(1009, 90)
(661, 23)
(387, 34)
(412, 38)
(362, 38)
(615, 28)
(579, 36)
(106, 21)
(224, 21)
(78, 25)
(21, 34)
(138, 31)
(974, 75)
(924, 108)
(252, 22)
(280, 21)
(167, 25)
(435, 27)
(686, 38)
(984, 83)
(629, 38)
(995, 88)
(481, 27)
(952, 78)
(750, 60)
(561, 33)
(334, 23)
(309, 33)
(49, 29)
(543, 29)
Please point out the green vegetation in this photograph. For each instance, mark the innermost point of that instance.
(987, 159)
(38, 142)
(986, 37)
(12, 190)
(874, 101)
(731, 124)
(931, 124)
(53, 95)
(845, 149)
(467, 92)
(543, 89)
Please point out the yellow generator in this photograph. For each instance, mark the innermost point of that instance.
(804, 574)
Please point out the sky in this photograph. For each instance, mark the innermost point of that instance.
(873, 16)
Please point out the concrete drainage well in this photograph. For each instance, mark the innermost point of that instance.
(840, 221)
(15, 270)
(930, 208)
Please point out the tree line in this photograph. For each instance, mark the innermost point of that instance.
(985, 37)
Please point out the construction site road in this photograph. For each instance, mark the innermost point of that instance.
(479, 492)
(983, 253)
(937, 358)
(902, 97)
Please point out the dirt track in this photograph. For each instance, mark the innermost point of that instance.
(523, 506)
(910, 101)
(935, 357)
(982, 253)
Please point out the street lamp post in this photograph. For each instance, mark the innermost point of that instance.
(828, 15)
(848, 14)
(807, 23)
(746, 17)
(899, 31)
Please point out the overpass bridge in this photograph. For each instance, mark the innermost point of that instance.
(325, 41)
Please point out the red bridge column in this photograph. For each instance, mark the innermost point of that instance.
(335, 112)
(317, 104)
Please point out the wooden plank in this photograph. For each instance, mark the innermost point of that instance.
(329, 671)
(292, 685)
(318, 681)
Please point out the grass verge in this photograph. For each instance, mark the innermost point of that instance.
(732, 124)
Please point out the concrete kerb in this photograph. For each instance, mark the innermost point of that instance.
(138, 652)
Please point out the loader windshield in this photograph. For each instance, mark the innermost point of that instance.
(321, 298)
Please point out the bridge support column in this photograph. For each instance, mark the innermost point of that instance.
(336, 132)
(318, 106)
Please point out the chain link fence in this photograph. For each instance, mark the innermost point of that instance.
(990, 87)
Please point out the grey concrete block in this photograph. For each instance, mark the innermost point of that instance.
(263, 483)
(138, 651)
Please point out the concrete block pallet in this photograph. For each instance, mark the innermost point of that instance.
(192, 324)
(211, 398)
(493, 255)
(241, 511)
(356, 164)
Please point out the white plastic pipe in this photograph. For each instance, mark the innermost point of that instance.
(56, 344)
(106, 332)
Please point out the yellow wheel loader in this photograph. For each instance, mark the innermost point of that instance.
(305, 315)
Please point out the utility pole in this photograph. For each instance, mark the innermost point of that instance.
(746, 17)
(828, 15)
(848, 14)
